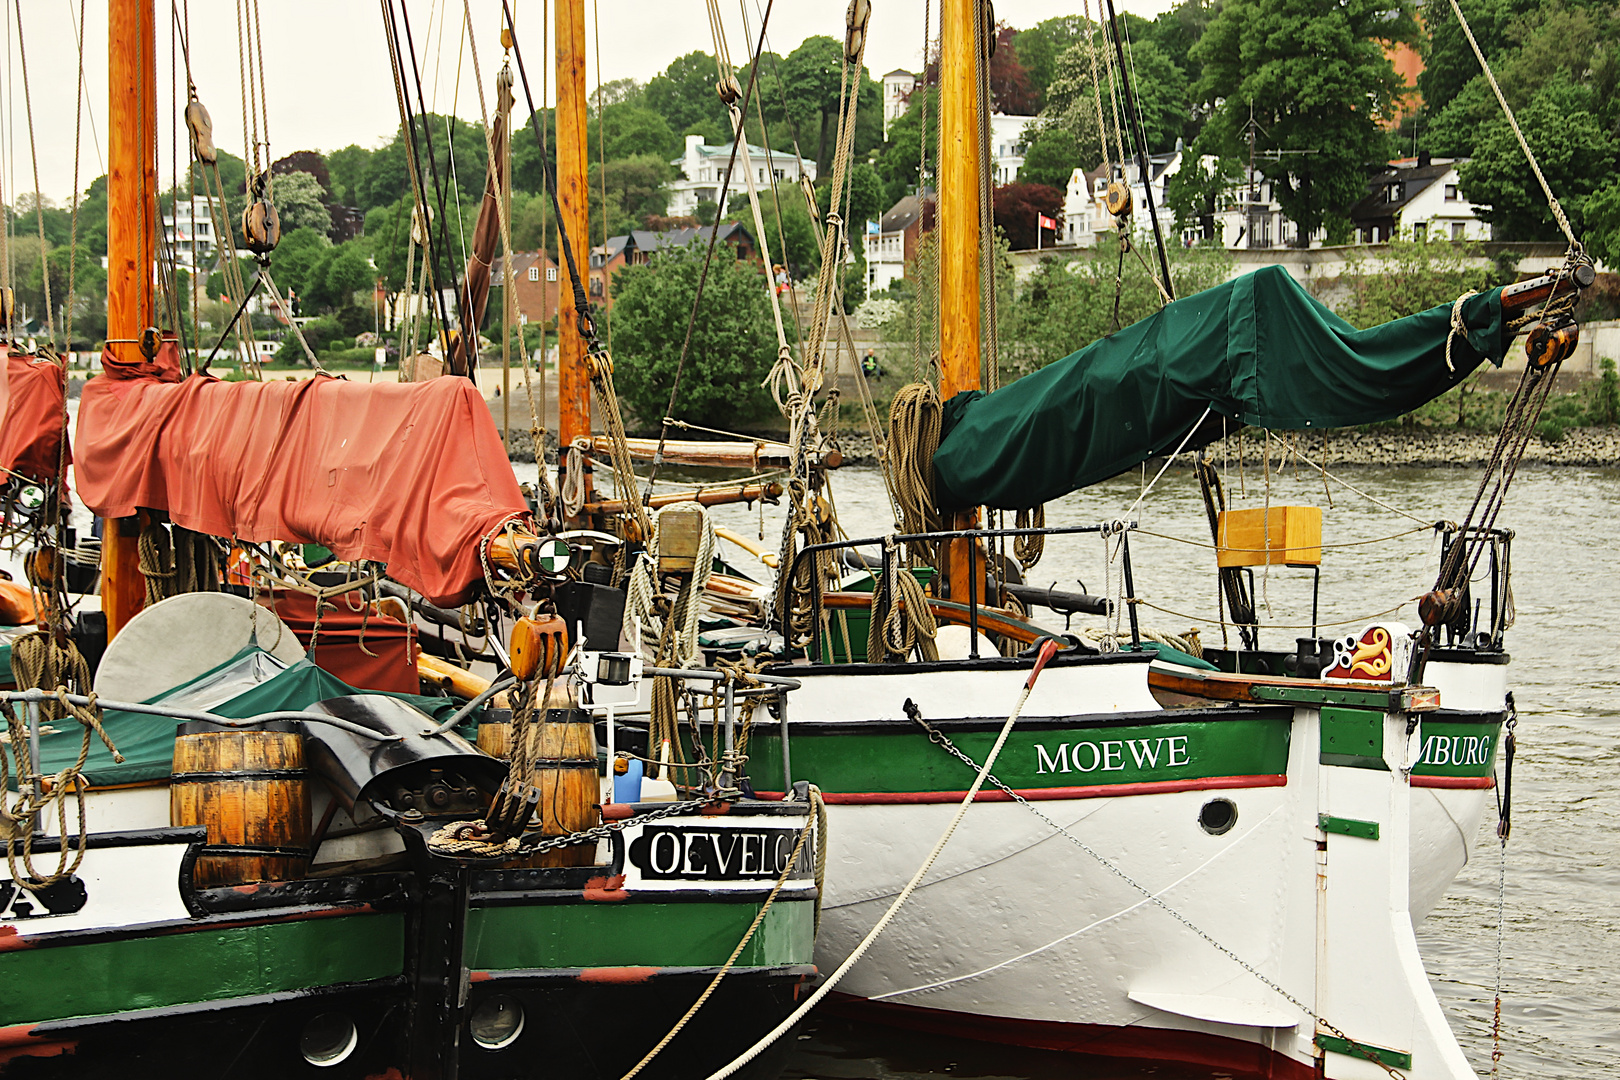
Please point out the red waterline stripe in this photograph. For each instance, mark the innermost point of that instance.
(1234, 1057)
(1093, 791)
(1455, 782)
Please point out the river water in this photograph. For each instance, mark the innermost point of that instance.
(1561, 937)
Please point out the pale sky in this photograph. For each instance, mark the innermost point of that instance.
(326, 65)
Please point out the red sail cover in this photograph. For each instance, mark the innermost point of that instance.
(413, 475)
(33, 430)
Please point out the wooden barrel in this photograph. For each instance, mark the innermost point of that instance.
(249, 788)
(569, 778)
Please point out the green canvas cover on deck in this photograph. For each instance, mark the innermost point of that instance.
(147, 742)
(1258, 349)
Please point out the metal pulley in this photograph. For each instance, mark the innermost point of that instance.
(201, 126)
(261, 225)
(1550, 345)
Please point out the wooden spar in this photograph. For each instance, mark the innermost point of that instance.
(958, 217)
(1523, 294)
(957, 224)
(131, 233)
(726, 455)
(715, 496)
(573, 382)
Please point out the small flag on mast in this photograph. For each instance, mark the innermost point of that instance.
(1046, 222)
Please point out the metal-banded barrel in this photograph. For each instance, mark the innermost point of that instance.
(566, 772)
(250, 789)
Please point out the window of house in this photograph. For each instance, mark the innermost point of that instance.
(551, 273)
(1392, 193)
(596, 258)
(1458, 230)
(534, 273)
(596, 284)
(1420, 231)
(1451, 193)
(780, 174)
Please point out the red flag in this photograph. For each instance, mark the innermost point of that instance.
(1045, 222)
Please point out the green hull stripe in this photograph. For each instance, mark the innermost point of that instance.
(164, 970)
(893, 762)
(1453, 749)
(695, 934)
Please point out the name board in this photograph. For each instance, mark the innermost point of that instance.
(686, 853)
(1114, 755)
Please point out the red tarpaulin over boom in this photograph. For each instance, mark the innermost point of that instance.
(413, 475)
(31, 405)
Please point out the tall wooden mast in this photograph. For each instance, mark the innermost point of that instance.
(131, 236)
(573, 382)
(957, 220)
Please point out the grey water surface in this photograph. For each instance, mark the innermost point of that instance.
(1560, 956)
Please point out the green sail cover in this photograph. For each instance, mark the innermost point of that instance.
(1258, 349)
(147, 742)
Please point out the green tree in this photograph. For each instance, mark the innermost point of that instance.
(732, 347)
(1575, 151)
(1040, 46)
(1409, 276)
(347, 169)
(296, 258)
(636, 181)
(217, 288)
(811, 77)
(1317, 80)
(898, 163)
(1176, 31)
(297, 197)
(1196, 190)
(1052, 156)
(792, 230)
(342, 273)
(684, 95)
(1161, 89)
(631, 130)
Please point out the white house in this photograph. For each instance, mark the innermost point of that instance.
(704, 168)
(894, 242)
(897, 87)
(1007, 146)
(188, 228)
(1420, 198)
(1085, 200)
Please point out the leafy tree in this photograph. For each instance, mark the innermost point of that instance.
(1316, 78)
(343, 271)
(217, 288)
(1409, 276)
(1160, 87)
(732, 347)
(1052, 156)
(347, 169)
(1011, 91)
(793, 229)
(527, 174)
(863, 199)
(684, 95)
(706, 211)
(1576, 154)
(1448, 62)
(636, 181)
(294, 259)
(1040, 46)
(297, 196)
(32, 211)
(618, 92)
(1195, 190)
(811, 75)
(457, 153)
(1015, 206)
(631, 130)
(93, 217)
(1176, 31)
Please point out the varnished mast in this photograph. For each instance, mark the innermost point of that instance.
(131, 234)
(957, 236)
(573, 381)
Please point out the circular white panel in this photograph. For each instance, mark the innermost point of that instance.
(177, 639)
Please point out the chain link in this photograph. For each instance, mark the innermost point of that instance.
(939, 738)
(608, 828)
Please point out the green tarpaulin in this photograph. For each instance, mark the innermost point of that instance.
(1258, 349)
(147, 742)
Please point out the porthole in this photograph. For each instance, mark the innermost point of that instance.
(1218, 816)
(496, 1023)
(328, 1040)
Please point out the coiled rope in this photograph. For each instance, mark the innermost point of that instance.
(915, 422)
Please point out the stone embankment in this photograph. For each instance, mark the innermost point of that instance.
(1387, 448)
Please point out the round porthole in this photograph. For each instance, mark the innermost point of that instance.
(1218, 816)
(496, 1023)
(328, 1040)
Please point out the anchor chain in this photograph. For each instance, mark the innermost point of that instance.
(465, 837)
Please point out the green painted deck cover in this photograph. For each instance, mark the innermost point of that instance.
(1258, 349)
(147, 742)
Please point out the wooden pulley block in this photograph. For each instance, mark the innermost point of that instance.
(201, 126)
(1118, 198)
(680, 534)
(261, 227)
(856, 16)
(729, 89)
(1440, 606)
(539, 646)
(1549, 345)
(151, 340)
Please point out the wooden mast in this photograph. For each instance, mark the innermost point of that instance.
(131, 235)
(957, 222)
(573, 381)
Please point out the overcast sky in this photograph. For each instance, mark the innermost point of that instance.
(326, 65)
